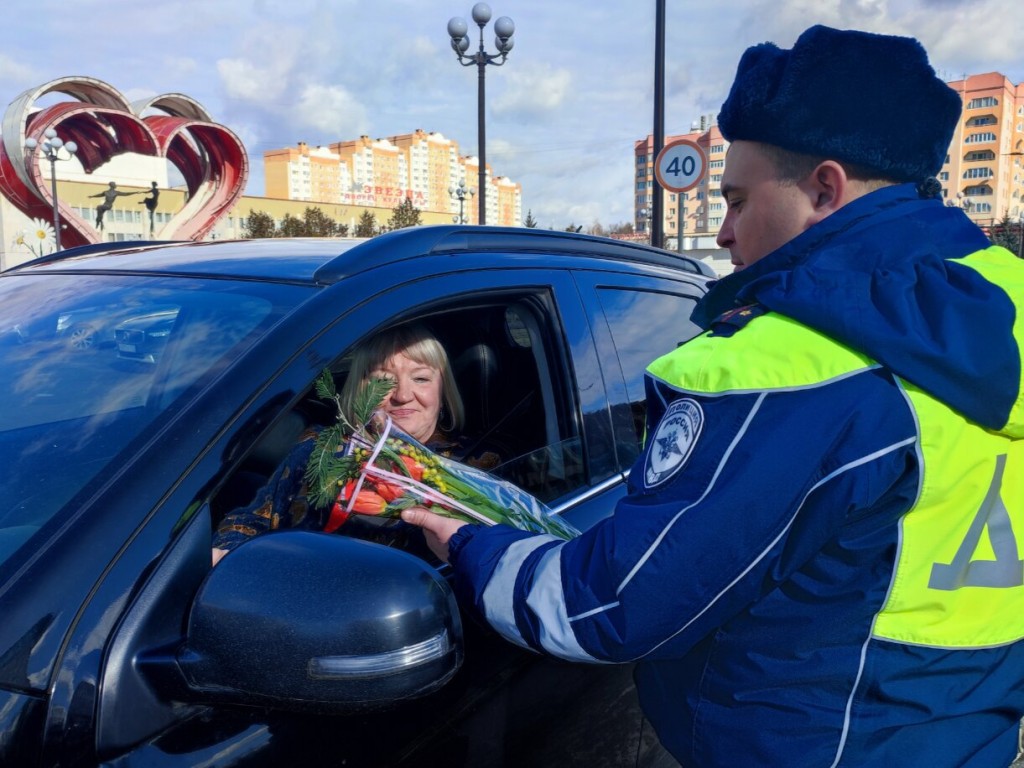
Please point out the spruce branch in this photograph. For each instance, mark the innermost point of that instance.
(327, 470)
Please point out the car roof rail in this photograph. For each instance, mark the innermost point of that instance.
(452, 239)
(84, 250)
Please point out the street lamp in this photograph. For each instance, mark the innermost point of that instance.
(964, 203)
(459, 32)
(51, 147)
(646, 216)
(461, 193)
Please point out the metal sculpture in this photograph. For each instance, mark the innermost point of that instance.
(101, 121)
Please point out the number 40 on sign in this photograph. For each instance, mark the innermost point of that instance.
(680, 165)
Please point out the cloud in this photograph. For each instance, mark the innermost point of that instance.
(15, 72)
(533, 89)
(244, 80)
(332, 110)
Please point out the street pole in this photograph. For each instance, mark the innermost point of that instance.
(458, 30)
(1020, 238)
(657, 206)
(481, 136)
(51, 147)
(56, 208)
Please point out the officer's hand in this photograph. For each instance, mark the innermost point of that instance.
(437, 530)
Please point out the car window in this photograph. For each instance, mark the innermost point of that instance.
(517, 398)
(644, 325)
(92, 363)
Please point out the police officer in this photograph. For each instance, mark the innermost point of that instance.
(819, 562)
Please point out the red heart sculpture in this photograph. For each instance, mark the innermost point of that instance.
(103, 123)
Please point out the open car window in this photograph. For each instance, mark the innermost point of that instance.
(516, 390)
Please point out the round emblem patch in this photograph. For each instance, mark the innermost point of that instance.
(673, 441)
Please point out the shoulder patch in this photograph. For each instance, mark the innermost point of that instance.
(728, 323)
(673, 441)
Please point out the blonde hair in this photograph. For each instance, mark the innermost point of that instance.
(417, 343)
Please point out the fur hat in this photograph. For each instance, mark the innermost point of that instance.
(872, 100)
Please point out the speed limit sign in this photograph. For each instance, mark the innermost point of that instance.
(680, 165)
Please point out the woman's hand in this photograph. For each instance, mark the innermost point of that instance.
(437, 530)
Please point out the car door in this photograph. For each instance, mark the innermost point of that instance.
(505, 707)
(636, 318)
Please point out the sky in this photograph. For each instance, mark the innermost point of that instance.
(562, 114)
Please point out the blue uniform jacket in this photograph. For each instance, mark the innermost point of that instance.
(819, 560)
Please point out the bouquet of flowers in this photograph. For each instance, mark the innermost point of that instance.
(370, 467)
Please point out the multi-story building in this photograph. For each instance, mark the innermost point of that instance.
(301, 173)
(421, 166)
(983, 172)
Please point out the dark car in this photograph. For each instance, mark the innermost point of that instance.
(120, 645)
(141, 338)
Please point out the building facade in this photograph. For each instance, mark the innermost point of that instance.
(983, 173)
(421, 166)
(984, 170)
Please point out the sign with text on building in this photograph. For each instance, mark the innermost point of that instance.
(680, 165)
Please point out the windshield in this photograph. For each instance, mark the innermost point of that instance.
(88, 363)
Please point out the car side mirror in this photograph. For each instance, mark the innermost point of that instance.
(298, 620)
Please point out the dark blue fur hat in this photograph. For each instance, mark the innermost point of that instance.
(873, 100)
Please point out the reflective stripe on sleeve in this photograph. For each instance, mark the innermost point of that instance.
(499, 595)
(547, 601)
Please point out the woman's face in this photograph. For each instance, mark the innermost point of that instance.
(415, 403)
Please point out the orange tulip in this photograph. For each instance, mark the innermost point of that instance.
(414, 467)
(369, 503)
(388, 492)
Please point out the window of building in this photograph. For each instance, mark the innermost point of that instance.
(985, 101)
(984, 120)
(982, 189)
(984, 154)
(978, 173)
(716, 164)
(716, 148)
(976, 138)
(944, 176)
(715, 221)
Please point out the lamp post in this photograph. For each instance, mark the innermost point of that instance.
(461, 193)
(51, 147)
(646, 216)
(1020, 238)
(458, 30)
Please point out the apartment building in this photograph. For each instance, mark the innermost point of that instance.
(304, 173)
(421, 166)
(983, 172)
